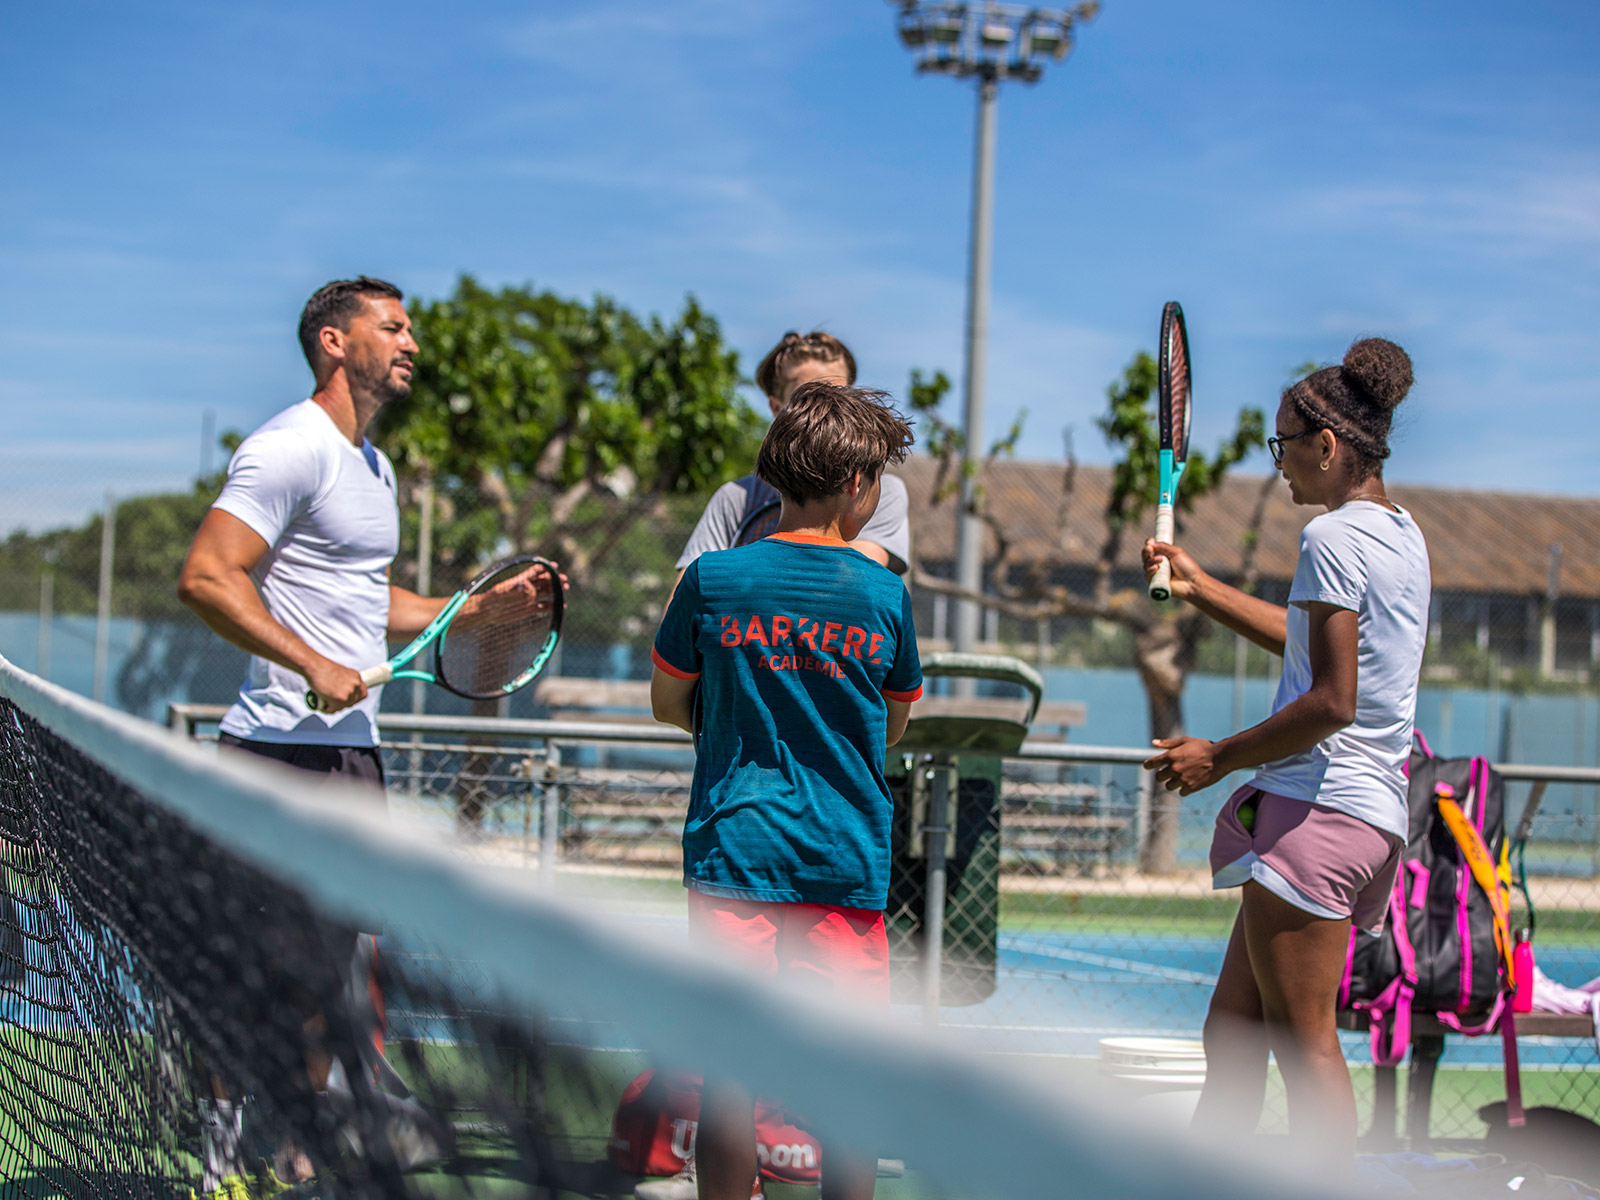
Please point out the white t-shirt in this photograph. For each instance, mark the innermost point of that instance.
(729, 505)
(327, 511)
(1374, 562)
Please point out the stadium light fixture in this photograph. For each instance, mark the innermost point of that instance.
(988, 41)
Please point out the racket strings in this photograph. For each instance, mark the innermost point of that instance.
(1174, 380)
(501, 631)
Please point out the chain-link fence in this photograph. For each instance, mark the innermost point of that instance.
(1053, 938)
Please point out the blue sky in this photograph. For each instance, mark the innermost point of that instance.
(178, 177)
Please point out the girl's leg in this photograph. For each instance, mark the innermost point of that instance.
(1236, 1049)
(725, 1144)
(1298, 961)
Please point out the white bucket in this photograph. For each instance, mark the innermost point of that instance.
(1159, 1078)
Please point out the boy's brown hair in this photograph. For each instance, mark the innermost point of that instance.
(815, 346)
(825, 435)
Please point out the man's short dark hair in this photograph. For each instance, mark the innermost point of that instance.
(825, 435)
(335, 304)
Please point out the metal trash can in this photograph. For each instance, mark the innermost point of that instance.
(944, 776)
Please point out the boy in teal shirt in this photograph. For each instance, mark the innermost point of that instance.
(800, 658)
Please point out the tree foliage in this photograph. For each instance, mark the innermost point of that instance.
(1129, 426)
(1165, 637)
(525, 404)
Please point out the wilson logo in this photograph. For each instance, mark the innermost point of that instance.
(783, 1156)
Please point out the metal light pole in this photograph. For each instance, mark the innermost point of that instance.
(990, 42)
(102, 620)
(47, 610)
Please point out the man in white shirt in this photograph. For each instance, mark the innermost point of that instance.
(292, 565)
(292, 561)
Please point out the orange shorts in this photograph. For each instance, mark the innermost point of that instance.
(821, 947)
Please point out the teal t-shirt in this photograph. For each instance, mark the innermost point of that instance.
(796, 641)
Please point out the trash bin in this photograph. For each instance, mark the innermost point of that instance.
(944, 776)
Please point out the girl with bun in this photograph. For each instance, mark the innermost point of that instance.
(1315, 838)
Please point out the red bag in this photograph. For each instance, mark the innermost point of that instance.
(659, 1113)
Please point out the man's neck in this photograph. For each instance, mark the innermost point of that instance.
(349, 413)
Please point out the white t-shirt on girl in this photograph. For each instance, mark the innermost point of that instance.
(1370, 560)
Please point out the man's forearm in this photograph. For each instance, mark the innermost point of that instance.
(231, 606)
(410, 614)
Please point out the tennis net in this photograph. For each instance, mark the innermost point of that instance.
(186, 1007)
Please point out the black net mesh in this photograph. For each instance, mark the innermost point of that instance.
(176, 1021)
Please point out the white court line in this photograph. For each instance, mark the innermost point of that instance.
(1132, 966)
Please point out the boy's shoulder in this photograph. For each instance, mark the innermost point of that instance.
(779, 562)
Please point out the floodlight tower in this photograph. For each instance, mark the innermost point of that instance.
(989, 42)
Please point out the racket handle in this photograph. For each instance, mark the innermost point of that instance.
(378, 675)
(372, 677)
(1161, 581)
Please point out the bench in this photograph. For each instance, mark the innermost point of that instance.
(623, 701)
(1080, 840)
(1427, 1047)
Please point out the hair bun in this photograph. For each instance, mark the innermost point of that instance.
(1379, 368)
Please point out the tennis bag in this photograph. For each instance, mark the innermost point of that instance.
(1446, 948)
(656, 1121)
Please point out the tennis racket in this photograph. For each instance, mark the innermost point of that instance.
(1174, 407)
(490, 638)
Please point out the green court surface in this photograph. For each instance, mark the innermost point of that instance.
(1207, 915)
(583, 1089)
(580, 1090)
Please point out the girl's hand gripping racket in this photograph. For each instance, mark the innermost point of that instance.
(490, 638)
(1173, 410)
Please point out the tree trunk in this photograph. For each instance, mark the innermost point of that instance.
(1160, 652)
(474, 788)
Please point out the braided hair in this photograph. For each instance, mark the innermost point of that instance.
(1356, 399)
(815, 346)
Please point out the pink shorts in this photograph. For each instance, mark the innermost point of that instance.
(1328, 863)
(840, 951)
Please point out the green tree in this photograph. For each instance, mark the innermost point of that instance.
(151, 537)
(549, 425)
(528, 406)
(1165, 637)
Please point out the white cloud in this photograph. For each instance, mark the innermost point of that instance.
(1542, 209)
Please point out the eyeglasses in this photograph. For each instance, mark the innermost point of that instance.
(1275, 444)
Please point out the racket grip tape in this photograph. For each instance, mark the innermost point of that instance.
(380, 674)
(372, 677)
(1161, 581)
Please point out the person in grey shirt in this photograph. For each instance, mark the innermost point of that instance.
(747, 509)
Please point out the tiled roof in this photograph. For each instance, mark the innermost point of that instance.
(1487, 542)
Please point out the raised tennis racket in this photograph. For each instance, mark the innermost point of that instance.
(491, 638)
(1174, 407)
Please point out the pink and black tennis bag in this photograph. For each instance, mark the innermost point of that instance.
(1437, 953)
